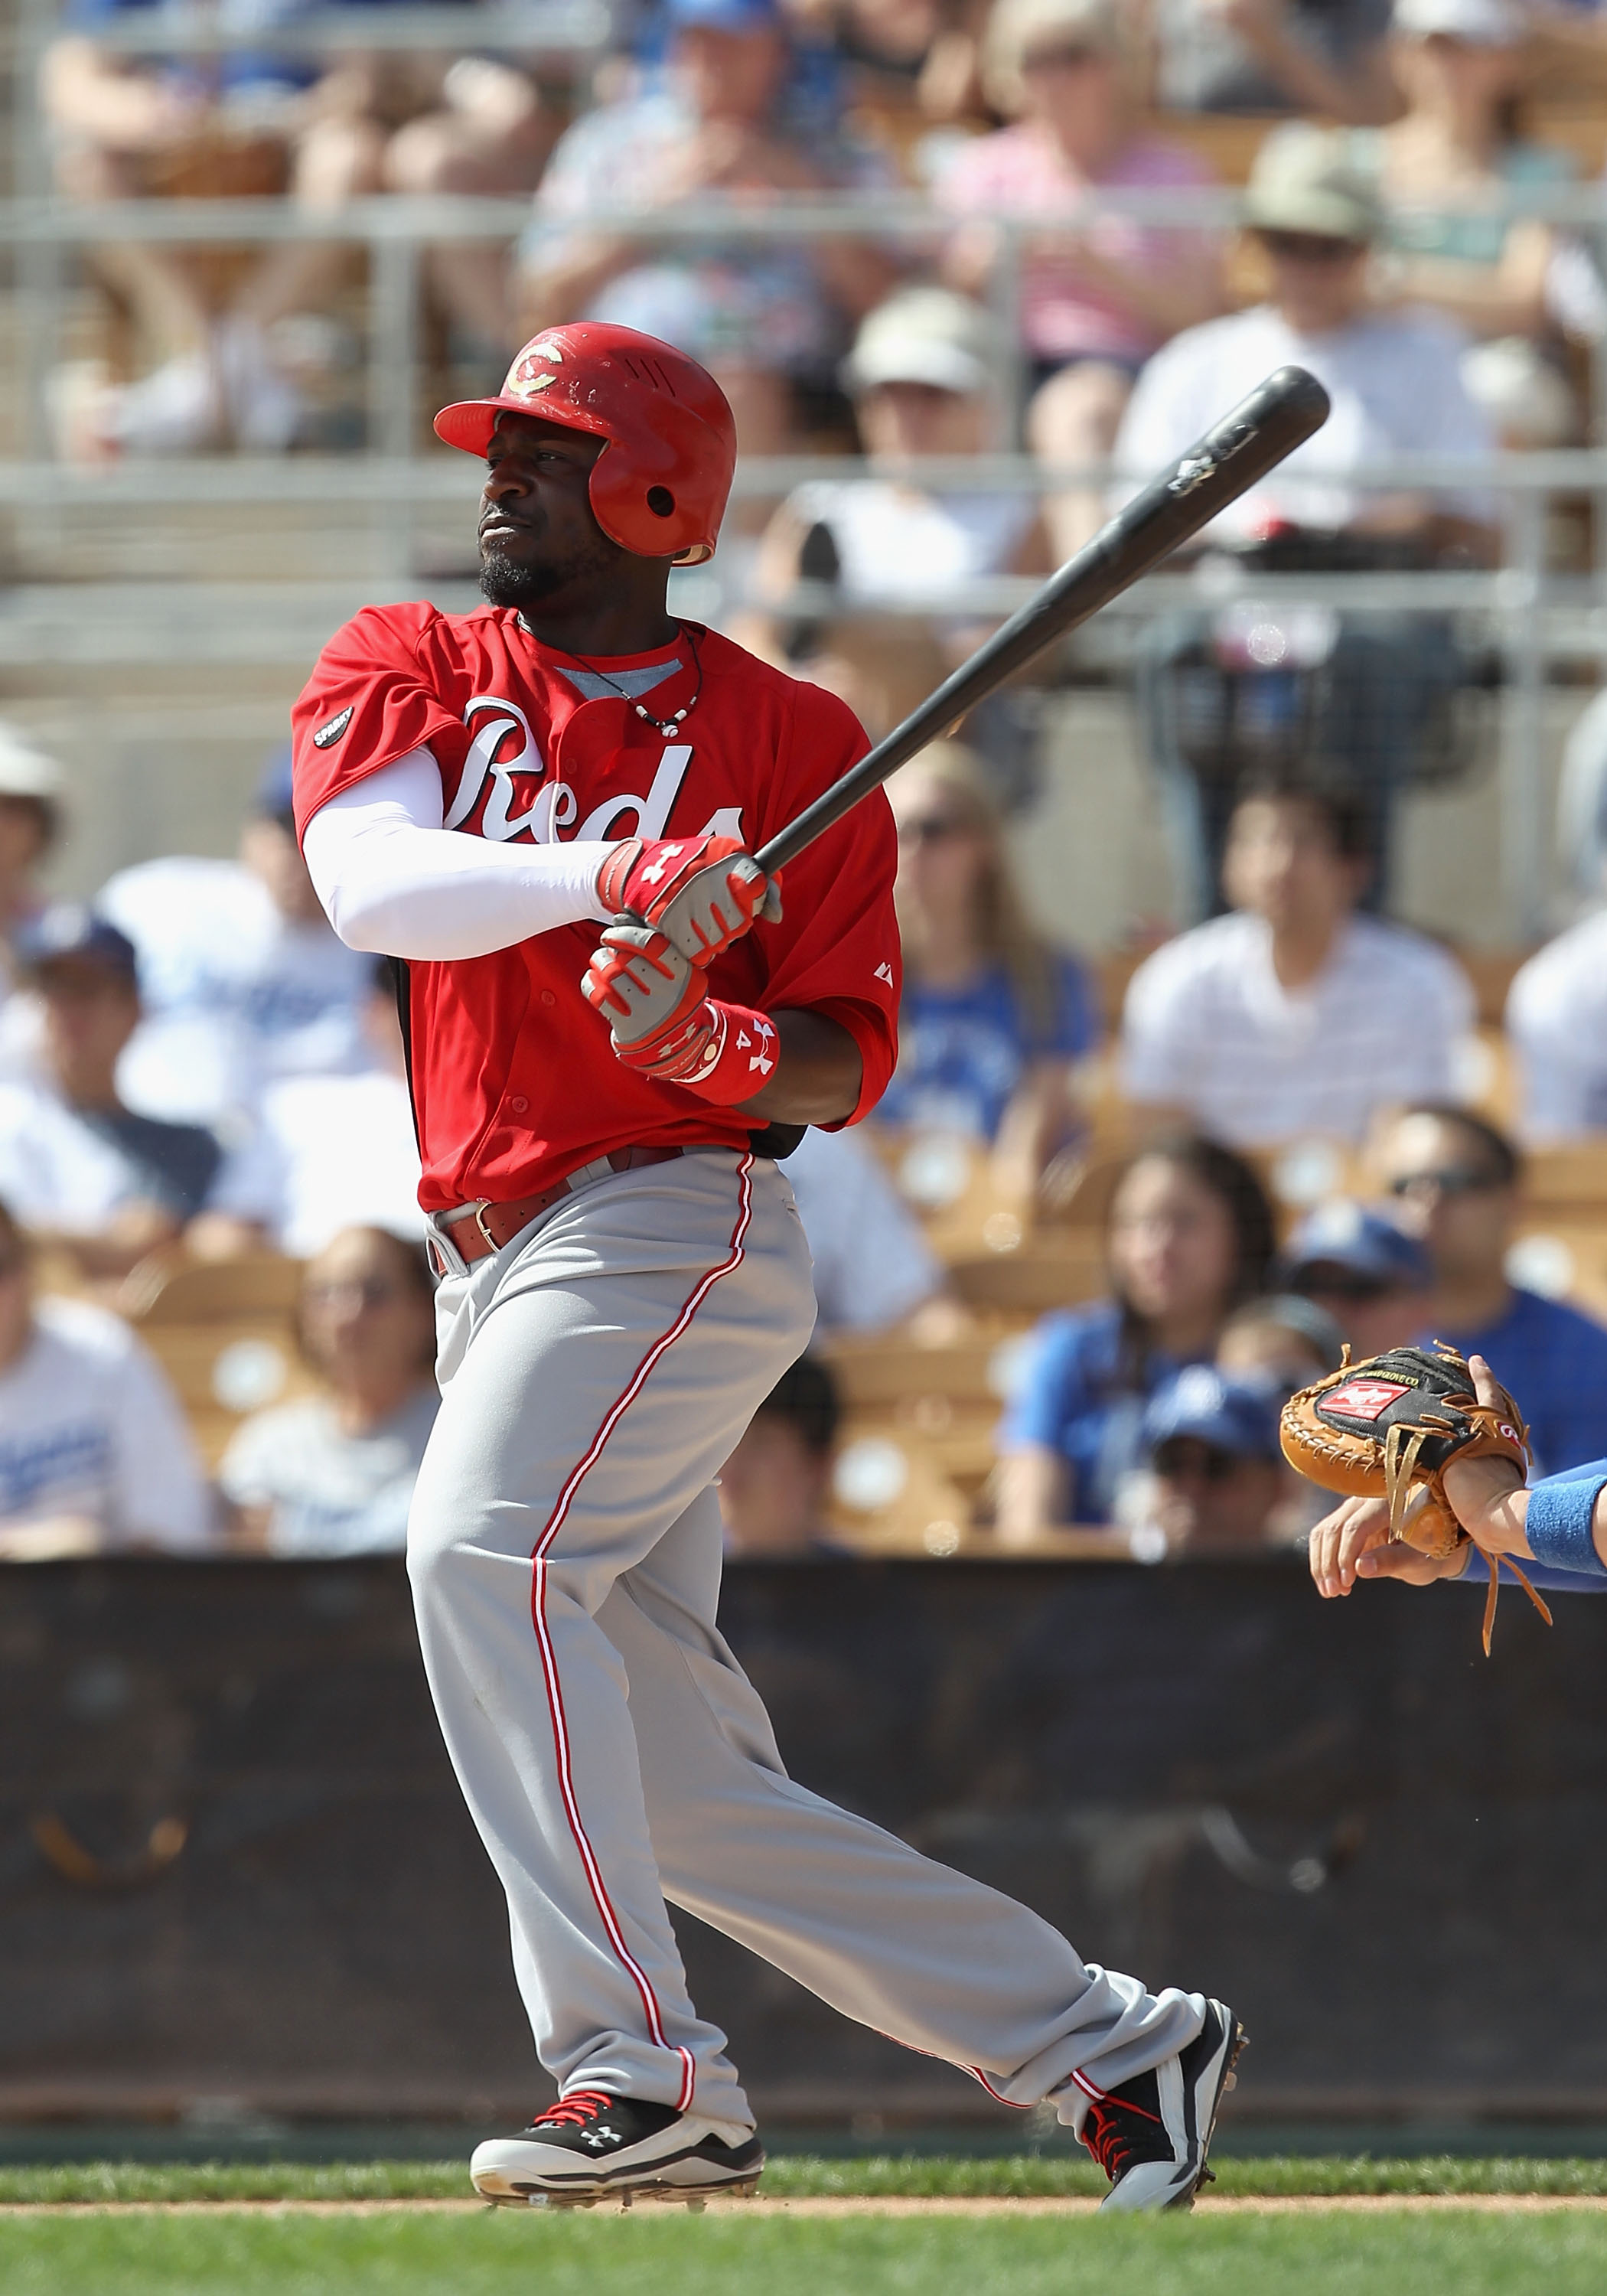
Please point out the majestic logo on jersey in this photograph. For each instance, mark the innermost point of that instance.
(505, 766)
(328, 736)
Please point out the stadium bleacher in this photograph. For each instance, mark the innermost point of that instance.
(156, 622)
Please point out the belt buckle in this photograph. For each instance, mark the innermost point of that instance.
(477, 1213)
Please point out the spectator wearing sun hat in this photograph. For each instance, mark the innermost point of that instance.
(1215, 1470)
(1392, 374)
(923, 375)
(890, 548)
(1364, 1270)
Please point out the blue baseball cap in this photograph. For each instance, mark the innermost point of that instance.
(722, 15)
(1361, 1243)
(276, 790)
(69, 929)
(1237, 1416)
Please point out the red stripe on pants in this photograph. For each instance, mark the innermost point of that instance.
(549, 1665)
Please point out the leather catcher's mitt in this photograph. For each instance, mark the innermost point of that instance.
(1392, 1426)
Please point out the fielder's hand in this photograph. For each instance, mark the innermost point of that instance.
(1354, 1543)
(664, 1025)
(702, 893)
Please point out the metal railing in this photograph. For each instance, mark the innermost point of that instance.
(1535, 616)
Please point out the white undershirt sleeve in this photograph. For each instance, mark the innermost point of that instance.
(394, 881)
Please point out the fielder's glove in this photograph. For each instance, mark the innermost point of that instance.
(665, 1024)
(1388, 1428)
(702, 893)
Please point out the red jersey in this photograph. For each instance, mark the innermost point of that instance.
(514, 1079)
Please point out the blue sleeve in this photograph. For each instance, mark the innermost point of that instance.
(1590, 1471)
(1051, 1392)
(1538, 1574)
(1550, 1574)
(1076, 1030)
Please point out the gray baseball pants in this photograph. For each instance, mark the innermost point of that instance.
(565, 1554)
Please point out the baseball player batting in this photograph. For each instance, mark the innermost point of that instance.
(624, 1277)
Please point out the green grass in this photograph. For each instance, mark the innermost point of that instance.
(801, 2175)
(230, 2254)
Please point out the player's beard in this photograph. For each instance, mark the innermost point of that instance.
(510, 582)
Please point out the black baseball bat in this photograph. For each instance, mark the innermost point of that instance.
(1278, 416)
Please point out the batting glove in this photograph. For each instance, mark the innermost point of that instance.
(702, 893)
(663, 1025)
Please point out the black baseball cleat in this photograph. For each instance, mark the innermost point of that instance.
(591, 2146)
(1151, 2135)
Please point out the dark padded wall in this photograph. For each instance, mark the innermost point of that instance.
(1389, 1856)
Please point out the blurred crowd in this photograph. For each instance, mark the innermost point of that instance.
(1384, 143)
(196, 1076)
(199, 1083)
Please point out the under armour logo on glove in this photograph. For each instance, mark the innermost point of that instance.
(664, 1026)
(653, 872)
(761, 1061)
(702, 893)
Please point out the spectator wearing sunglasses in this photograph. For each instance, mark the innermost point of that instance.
(332, 1474)
(1455, 1180)
(1363, 1269)
(994, 1020)
(1393, 375)
(1215, 1477)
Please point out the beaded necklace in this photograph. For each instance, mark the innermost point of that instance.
(666, 726)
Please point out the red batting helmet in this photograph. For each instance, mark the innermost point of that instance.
(659, 486)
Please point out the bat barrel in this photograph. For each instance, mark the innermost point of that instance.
(1236, 455)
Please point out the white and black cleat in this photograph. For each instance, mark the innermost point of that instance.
(593, 2146)
(1152, 2136)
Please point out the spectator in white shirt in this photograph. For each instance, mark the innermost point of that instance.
(333, 1475)
(75, 1164)
(1366, 694)
(243, 978)
(1286, 1017)
(1393, 374)
(873, 1266)
(326, 1152)
(94, 1454)
(1556, 1022)
(926, 380)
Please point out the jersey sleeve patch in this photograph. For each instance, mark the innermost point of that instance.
(328, 733)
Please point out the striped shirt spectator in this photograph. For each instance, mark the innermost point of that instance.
(1293, 1015)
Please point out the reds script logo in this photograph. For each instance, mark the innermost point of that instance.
(505, 764)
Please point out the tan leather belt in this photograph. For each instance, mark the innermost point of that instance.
(478, 1230)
